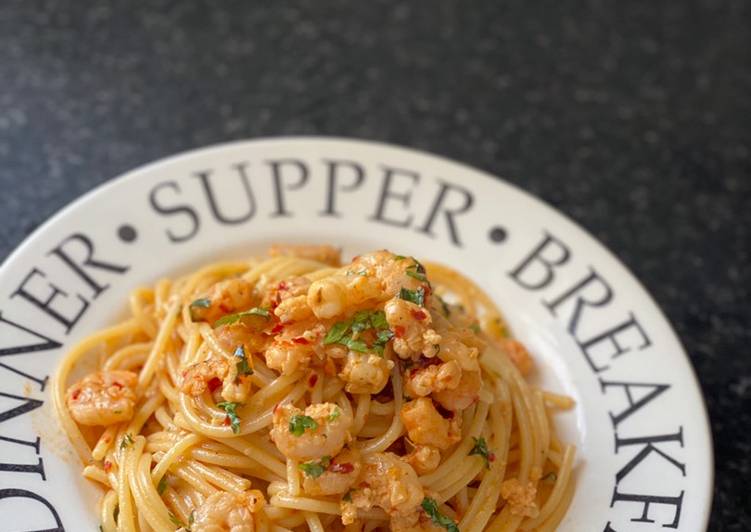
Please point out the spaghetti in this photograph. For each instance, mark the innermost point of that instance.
(293, 393)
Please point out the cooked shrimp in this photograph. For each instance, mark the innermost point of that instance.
(225, 297)
(321, 430)
(228, 512)
(206, 375)
(365, 372)
(321, 253)
(411, 324)
(340, 475)
(463, 395)
(420, 382)
(370, 279)
(426, 426)
(423, 459)
(103, 397)
(391, 484)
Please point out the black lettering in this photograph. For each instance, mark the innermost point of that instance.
(48, 343)
(388, 194)
(45, 304)
(333, 180)
(608, 528)
(276, 174)
(24, 468)
(611, 336)
(558, 255)
(8, 493)
(185, 210)
(649, 447)
(604, 297)
(633, 406)
(89, 261)
(214, 204)
(28, 406)
(41, 382)
(647, 500)
(449, 214)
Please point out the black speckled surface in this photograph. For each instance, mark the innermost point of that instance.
(632, 117)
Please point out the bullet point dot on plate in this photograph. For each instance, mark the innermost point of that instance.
(497, 234)
(127, 233)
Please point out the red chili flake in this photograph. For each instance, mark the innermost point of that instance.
(117, 385)
(282, 285)
(419, 315)
(491, 457)
(277, 328)
(300, 340)
(276, 407)
(398, 331)
(214, 383)
(342, 468)
(227, 421)
(312, 380)
(76, 394)
(107, 466)
(224, 308)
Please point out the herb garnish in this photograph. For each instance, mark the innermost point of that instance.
(203, 302)
(316, 469)
(298, 423)
(481, 449)
(348, 496)
(430, 507)
(335, 414)
(234, 318)
(243, 368)
(231, 409)
(417, 271)
(162, 486)
(347, 332)
(475, 327)
(415, 296)
(127, 440)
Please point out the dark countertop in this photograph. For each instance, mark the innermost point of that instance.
(632, 117)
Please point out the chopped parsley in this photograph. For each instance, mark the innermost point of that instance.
(298, 423)
(162, 486)
(476, 328)
(191, 518)
(229, 319)
(417, 271)
(481, 449)
(414, 296)
(337, 332)
(127, 440)
(550, 477)
(201, 303)
(348, 496)
(430, 507)
(384, 335)
(231, 409)
(315, 469)
(347, 332)
(335, 414)
(399, 257)
(243, 368)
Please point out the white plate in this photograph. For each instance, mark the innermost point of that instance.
(644, 450)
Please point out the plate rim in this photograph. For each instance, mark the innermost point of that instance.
(133, 173)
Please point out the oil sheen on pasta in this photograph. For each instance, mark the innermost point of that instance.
(291, 392)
